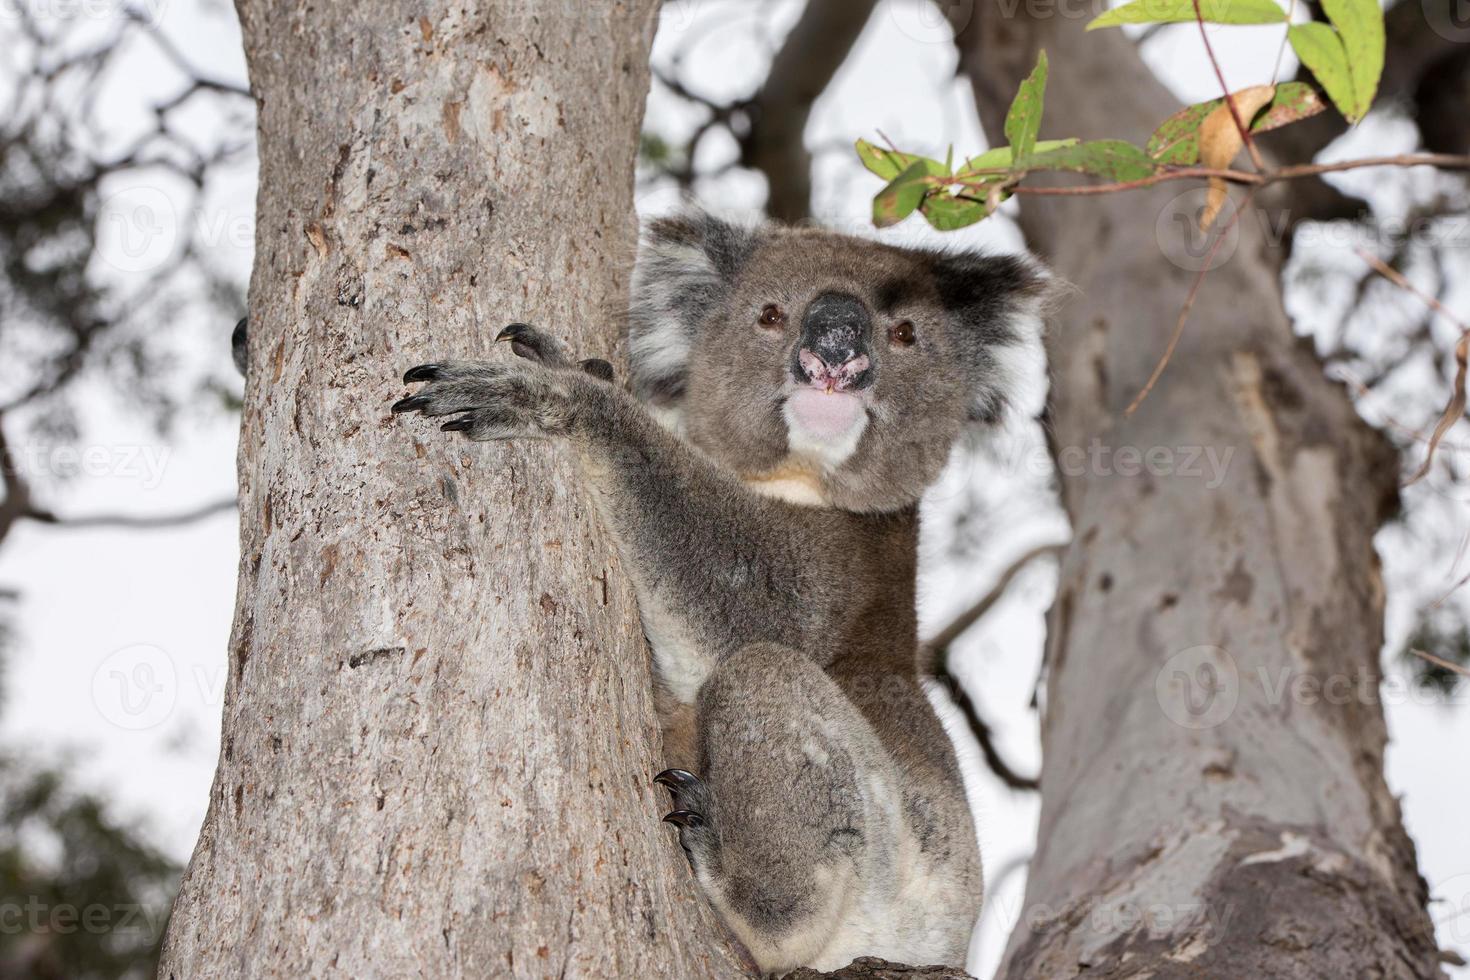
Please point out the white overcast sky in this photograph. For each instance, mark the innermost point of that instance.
(119, 661)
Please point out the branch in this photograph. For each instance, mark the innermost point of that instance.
(1266, 178)
(17, 502)
(801, 71)
(940, 643)
(1456, 407)
(937, 653)
(137, 522)
(984, 735)
(173, 54)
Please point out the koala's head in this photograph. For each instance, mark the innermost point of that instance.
(823, 367)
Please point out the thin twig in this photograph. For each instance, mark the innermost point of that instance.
(1456, 407)
(1188, 305)
(937, 653)
(1285, 36)
(984, 736)
(1441, 662)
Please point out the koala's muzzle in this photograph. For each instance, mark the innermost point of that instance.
(833, 351)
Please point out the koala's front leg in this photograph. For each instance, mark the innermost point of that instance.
(716, 567)
(506, 401)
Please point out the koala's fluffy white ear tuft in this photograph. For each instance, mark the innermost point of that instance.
(687, 263)
(998, 304)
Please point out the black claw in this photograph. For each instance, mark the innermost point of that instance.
(424, 372)
(459, 424)
(513, 330)
(676, 778)
(598, 368)
(409, 404)
(685, 818)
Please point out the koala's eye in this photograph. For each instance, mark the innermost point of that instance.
(772, 316)
(901, 334)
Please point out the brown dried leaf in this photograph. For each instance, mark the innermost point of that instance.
(1219, 142)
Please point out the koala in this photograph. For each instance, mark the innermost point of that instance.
(793, 393)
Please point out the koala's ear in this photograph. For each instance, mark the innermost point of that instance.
(686, 266)
(996, 305)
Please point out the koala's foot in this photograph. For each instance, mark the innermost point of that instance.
(692, 812)
(494, 401)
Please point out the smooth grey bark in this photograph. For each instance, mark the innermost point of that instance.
(1213, 801)
(438, 726)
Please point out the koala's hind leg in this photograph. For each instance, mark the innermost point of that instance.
(790, 826)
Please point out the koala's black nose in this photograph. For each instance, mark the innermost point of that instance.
(833, 351)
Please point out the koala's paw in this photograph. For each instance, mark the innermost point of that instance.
(493, 401)
(692, 811)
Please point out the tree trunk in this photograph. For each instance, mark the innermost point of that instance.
(1213, 801)
(438, 727)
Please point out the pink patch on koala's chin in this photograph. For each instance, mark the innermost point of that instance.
(825, 414)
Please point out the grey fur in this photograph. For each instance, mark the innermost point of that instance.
(829, 818)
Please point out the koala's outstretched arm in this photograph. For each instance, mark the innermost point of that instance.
(716, 565)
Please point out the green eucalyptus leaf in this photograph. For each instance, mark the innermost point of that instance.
(902, 195)
(1176, 140)
(947, 212)
(888, 164)
(1293, 101)
(1023, 119)
(1000, 157)
(1321, 50)
(1180, 11)
(1115, 160)
(1360, 25)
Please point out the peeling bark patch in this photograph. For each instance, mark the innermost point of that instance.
(318, 238)
(242, 646)
(370, 657)
(1238, 585)
(329, 556)
(451, 121)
